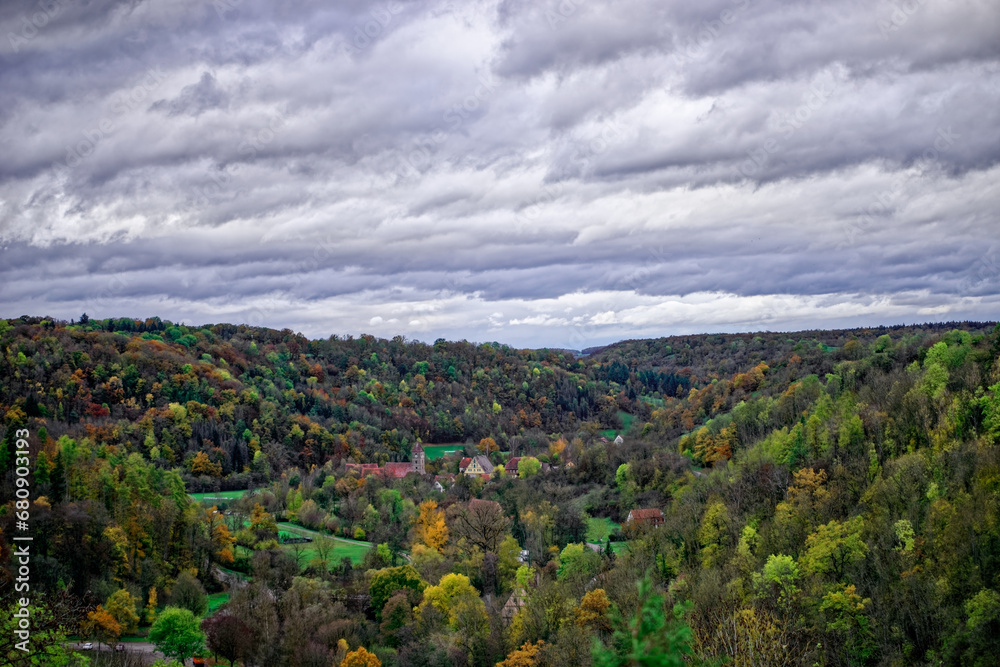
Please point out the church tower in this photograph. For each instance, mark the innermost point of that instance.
(418, 459)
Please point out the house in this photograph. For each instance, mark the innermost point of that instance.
(463, 464)
(392, 470)
(363, 469)
(479, 466)
(397, 470)
(649, 517)
(511, 467)
(513, 605)
(443, 481)
(619, 440)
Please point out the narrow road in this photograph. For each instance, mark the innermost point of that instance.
(140, 648)
(314, 533)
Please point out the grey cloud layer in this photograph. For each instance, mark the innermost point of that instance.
(498, 158)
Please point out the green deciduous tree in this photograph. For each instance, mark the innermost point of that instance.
(176, 634)
(385, 583)
(833, 547)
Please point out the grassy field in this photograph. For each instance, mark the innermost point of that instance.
(216, 600)
(627, 420)
(353, 549)
(599, 529)
(437, 451)
(211, 497)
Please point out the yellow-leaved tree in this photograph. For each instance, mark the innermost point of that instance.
(360, 658)
(431, 528)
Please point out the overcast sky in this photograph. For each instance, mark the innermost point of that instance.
(535, 172)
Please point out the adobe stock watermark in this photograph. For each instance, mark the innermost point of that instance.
(33, 21)
(122, 104)
(819, 94)
(985, 273)
(900, 16)
(21, 553)
(261, 310)
(697, 46)
(220, 180)
(367, 32)
(454, 117)
(885, 201)
(565, 9)
(600, 144)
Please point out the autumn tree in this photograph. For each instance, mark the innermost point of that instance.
(360, 658)
(122, 607)
(101, 625)
(593, 612)
(526, 656)
(431, 528)
(451, 595)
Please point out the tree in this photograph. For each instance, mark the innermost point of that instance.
(101, 625)
(593, 611)
(431, 528)
(528, 466)
(122, 607)
(254, 604)
(488, 446)
(360, 658)
(228, 637)
(385, 583)
(263, 527)
(651, 638)
(448, 597)
(202, 465)
(833, 547)
(483, 523)
(526, 656)
(778, 580)
(51, 617)
(151, 606)
(176, 634)
(188, 593)
(578, 561)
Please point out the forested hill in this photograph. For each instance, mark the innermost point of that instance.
(828, 497)
(257, 400)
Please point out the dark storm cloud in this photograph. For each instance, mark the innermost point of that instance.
(553, 171)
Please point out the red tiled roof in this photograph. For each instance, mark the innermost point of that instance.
(397, 470)
(464, 463)
(512, 464)
(647, 515)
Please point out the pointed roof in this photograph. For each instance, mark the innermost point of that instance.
(484, 462)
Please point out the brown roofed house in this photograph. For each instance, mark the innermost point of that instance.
(649, 517)
(480, 466)
(511, 467)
